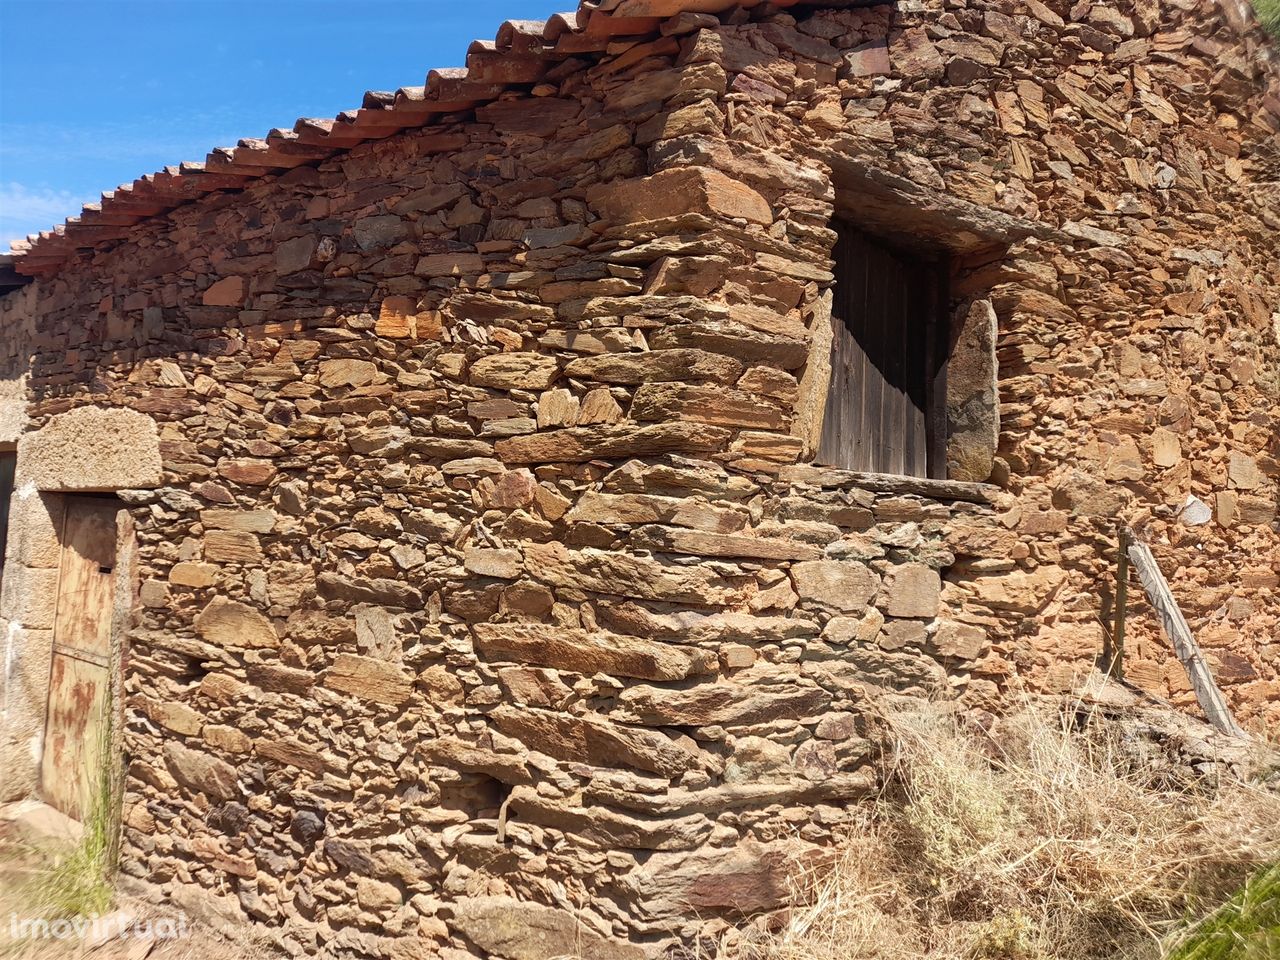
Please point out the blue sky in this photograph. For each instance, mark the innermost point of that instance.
(94, 93)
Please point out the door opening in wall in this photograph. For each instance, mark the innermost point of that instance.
(77, 726)
(885, 409)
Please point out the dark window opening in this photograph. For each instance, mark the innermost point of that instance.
(885, 410)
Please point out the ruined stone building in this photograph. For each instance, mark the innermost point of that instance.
(488, 513)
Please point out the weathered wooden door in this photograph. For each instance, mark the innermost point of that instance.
(884, 327)
(76, 724)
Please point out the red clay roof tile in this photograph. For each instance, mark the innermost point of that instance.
(522, 52)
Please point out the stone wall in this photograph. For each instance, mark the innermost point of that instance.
(488, 561)
(26, 642)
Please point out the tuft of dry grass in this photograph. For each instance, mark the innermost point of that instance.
(1029, 839)
(24, 871)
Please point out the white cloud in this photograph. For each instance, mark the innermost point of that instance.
(25, 210)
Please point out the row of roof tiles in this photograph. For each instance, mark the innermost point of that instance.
(521, 54)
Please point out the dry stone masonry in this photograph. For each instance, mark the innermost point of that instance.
(490, 601)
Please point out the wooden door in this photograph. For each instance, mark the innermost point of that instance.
(884, 322)
(76, 727)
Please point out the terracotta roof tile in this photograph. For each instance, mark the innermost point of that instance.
(521, 54)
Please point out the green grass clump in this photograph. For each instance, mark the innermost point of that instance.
(1246, 927)
(1269, 13)
(78, 881)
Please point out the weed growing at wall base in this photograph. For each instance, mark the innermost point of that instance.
(1269, 13)
(1246, 927)
(77, 883)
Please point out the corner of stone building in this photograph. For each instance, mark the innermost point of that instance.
(28, 594)
(25, 646)
(88, 449)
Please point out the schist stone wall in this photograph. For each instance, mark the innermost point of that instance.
(490, 600)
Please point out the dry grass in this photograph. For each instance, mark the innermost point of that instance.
(1031, 840)
(24, 869)
(47, 877)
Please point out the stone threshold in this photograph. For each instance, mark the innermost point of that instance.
(816, 475)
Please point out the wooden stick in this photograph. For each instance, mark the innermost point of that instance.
(1184, 644)
(1115, 669)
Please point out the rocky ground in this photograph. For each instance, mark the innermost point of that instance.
(30, 835)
